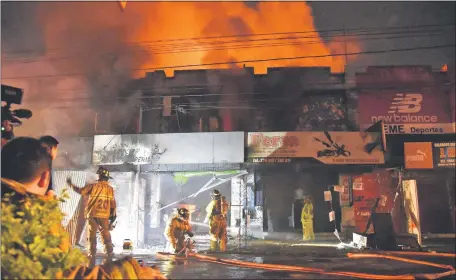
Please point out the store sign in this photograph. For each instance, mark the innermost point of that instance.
(427, 155)
(444, 154)
(418, 155)
(405, 113)
(171, 148)
(326, 147)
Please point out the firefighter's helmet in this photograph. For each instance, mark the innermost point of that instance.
(183, 213)
(216, 194)
(103, 173)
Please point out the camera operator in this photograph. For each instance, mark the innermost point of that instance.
(7, 131)
(10, 118)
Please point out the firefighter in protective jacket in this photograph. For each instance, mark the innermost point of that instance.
(100, 213)
(216, 216)
(307, 219)
(176, 229)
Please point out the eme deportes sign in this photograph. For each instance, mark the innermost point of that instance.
(326, 147)
(428, 155)
(405, 113)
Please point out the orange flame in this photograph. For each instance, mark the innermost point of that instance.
(154, 26)
(444, 68)
(123, 4)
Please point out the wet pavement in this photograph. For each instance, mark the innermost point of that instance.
(324, 256)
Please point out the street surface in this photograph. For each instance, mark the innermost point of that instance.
(319, 255)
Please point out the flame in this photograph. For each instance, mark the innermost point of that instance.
(110, 46)
(155, 26)
(212, 19)
(123, 4)
(444, 68)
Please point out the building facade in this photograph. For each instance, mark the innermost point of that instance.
(417, 107)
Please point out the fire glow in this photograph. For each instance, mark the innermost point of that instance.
(193, 33)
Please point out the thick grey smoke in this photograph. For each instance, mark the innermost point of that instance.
(54, 39)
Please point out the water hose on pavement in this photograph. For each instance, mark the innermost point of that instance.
(424, 254)
(277, 267)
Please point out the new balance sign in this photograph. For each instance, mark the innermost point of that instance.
(405, 113)
(404, 108)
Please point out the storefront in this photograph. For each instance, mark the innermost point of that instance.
(289, 164)
(156, 173)
(416, 104)
(431, 164)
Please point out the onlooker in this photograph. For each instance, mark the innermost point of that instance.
(26, 164)
(7, 132)
(51, 144)
(44, 251)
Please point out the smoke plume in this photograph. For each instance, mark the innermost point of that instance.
(86, 52)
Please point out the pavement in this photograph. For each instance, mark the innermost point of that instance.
(320, 255)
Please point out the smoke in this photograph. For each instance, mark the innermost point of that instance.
(85, 39)
(90, 50)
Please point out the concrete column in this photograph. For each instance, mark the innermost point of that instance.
(154, 201)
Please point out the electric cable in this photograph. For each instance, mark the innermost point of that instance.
(246, 61)
(318, 33)
(364, 88)
(293, 41)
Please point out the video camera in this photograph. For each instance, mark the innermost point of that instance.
(10, 118)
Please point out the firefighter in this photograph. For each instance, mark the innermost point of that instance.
(216, 216)
(100, 212)
(307, 219)
(176, 229)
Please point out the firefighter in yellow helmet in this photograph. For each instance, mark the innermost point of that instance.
(176, 229)
(307, 219)
(216, 216)
(100, 212)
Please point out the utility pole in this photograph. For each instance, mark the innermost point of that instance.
(345, 46)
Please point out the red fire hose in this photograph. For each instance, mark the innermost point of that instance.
(277, 267)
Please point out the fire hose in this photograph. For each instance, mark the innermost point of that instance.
(277, 267)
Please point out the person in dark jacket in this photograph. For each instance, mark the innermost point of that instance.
(51, 144)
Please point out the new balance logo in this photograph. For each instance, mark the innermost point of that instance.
(406, 103)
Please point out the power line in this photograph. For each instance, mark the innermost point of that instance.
(265, 100)
(245, 61)
(320, 32)
(221, 45)
(293, 41)
(156, 91)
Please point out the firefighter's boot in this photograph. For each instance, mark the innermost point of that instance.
(214, 245)
(92, 256)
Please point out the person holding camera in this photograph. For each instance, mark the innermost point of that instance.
(7, 132)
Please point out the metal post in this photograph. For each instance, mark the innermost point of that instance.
(140, 120)
(240, 214)
(244, 178)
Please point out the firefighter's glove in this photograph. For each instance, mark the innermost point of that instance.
(190, 234)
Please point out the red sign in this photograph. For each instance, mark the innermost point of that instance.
(367, 188)
(402, 108)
